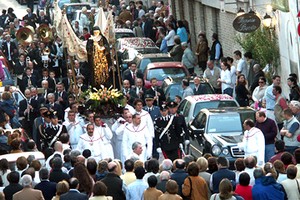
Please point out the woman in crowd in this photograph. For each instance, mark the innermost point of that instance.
(242, 93)
(181, 31)
(291, 185)
(225, 79)
(203, 165)
(62, 187)
(243, 188)
(100, 192)
(280, 169)
(259, 92)
(232, 73)
(225, 193)
(171, 191)
(239, 165)
(4, 171)
(202, 51)
(86, 182)
(170, 37)
(194, 186)
(295, 90)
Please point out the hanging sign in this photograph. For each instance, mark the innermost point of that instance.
(246, 23)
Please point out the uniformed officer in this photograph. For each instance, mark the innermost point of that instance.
(52, 133)
(150, 108)
(170, 131)
(166, 136)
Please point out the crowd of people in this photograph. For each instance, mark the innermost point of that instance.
(140, 154)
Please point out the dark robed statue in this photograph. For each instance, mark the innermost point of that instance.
(99, 59)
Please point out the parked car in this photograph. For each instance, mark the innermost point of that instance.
(163, 70)
(16, 92)
(172, 88)
(191, 105)
(142, 60)
(8, 80)
(218, 131)
(129, 48)
(12, 158)
(123, 33)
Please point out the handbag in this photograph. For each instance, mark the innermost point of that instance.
(190, 195)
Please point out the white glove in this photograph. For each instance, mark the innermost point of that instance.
(159, 150)
(186, 142)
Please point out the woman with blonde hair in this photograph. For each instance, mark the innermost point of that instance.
(226, 191)
(203, 166)
(62, 187)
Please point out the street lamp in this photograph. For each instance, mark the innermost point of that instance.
(267, 20)
(240, 12)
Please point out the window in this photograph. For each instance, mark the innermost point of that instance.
(187, 109)
(161, 73)
(200, 121)
(213, 104)
(224, 123)
(146, 61)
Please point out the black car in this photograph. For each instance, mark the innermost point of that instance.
(218, 131)
(173, 87)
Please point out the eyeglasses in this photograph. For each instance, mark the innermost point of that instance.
(261, 82)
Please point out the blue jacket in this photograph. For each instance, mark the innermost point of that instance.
(154, 112)
(266, 188)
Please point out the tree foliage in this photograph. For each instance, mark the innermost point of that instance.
(263, 45)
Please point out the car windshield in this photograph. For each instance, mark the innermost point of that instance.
(175, 89)
(146, 61)
(124, 35)
(213, 104)
(161, 73)
(230, 124)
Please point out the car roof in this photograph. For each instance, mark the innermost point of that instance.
(3, 88)
(12, 157)
(123, 30)
(228, 110)
(165, 65)
(137, 42)
(209, 97)
(154, 55)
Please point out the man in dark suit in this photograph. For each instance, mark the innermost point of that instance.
(14, 186)
(28, 110)
(51, 84)
(74, 193)
(68, 80)
(43, 18)
(257, 74)
(61, 96)
(31, 18)
(19, 68)
(10, 50)
(198, 87)
(47, 90)
(48, 188)
(28, 81)
(131, 74)
(113, 182)
(156, 92)
(137, 91)
(56, 174)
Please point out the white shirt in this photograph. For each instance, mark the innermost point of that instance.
(146, 119)
(75, 129)
(93, 143)
(105, 135)
(242, 67)
(226, 76)
(253, 144)
(170, 38)
(140, 134)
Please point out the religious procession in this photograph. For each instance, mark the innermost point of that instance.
(119, 99)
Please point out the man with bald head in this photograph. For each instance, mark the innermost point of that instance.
(179, 174)
(212, 74)
(58, 150)
(114, 183)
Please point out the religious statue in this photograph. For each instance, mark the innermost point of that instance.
(99, 59)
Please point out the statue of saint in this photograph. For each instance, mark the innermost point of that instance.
(99, 59)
